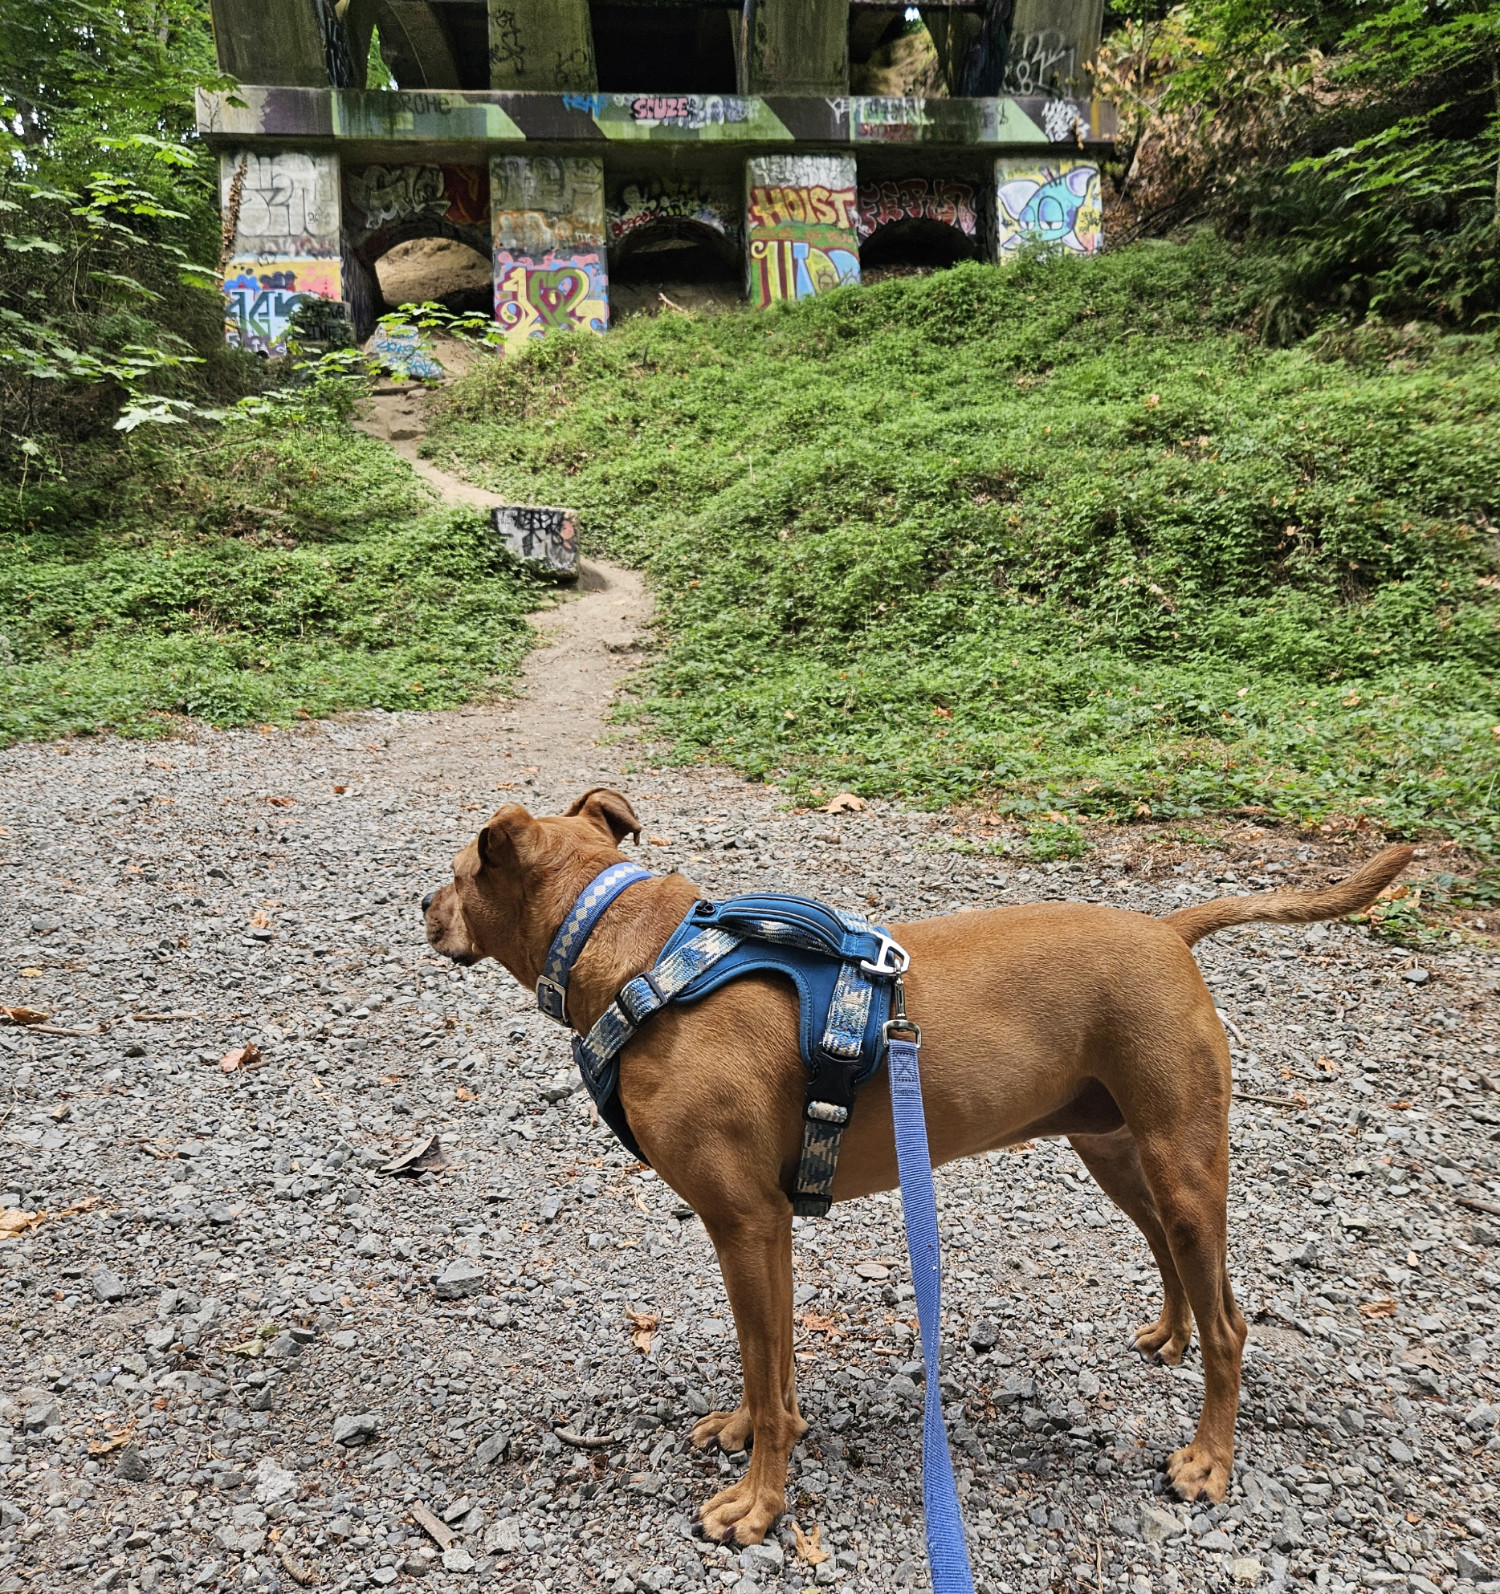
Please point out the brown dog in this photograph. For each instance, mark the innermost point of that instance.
(1053, 1019)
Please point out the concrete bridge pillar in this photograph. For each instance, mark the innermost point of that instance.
(542, 44)
(800, 226)
(550, 270)
(282, 240)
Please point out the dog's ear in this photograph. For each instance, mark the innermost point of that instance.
(610, 810)
(509, 839)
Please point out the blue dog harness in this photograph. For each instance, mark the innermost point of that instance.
(847, 973)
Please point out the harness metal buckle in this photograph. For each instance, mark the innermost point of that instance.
(891, 960)
(552, 999)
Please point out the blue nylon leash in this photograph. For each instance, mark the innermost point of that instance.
(947, 1550)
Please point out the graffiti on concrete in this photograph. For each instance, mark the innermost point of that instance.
(1040, 63)
(546, 203)
(642, 204)
(801, 226)
(942, 199)
(403, 351)
(259, 299)
(1062, 124)
(548, 215)
(688, 110)
(564, 295)
(288, 205)
(540, 536)
(888, 120)
(383, 196)
(1054, 203)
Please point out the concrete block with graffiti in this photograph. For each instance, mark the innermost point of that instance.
(1051, 201)
(544, 537)
(800, 226)
(549, 248)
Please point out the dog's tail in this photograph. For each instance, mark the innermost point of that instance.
(1293, 907)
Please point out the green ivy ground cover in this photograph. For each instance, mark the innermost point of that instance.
(1055, 537)
(262, 572)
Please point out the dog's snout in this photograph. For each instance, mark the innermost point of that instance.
(427, 900)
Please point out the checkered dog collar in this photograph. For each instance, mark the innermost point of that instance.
(570, 940)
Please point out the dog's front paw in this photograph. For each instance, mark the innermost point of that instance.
(732, 1429)
(742, 1513)
(1162, 1341)
(1197, 1474)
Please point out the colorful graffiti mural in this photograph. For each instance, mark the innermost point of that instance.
(801, 226)
(642, 204)
(403, 351)
(1055, 203)
(550, 273)
(942, 199)
(566, 295)
(260, 297)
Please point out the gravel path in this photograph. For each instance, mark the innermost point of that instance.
(239, 1355)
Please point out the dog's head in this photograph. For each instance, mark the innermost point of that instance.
(514, 883)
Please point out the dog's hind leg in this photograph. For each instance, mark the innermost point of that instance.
(1187, 1169)
(755, 1257)
(1116, 1166)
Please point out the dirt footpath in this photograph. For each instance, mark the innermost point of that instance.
(240, 1356)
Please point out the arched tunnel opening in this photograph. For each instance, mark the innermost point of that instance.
(693, 265)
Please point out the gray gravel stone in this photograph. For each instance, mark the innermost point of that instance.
(356, 1428)
(368, 1044)
(458, 1280)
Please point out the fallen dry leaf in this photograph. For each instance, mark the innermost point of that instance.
(102, 1447)
(14, 1221)
(25, 1015)
(241, 1057)
(260, 920)
(845, 803)
(31, 974)
(808, 1547)
(642, 1326)
(339, 791)
(281, 802)
(816, 1324)
(1377, 1308)
(428, 1157)
(465, 1094)
(1400, 1106)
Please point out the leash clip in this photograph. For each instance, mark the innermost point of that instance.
(552, 999)
(891, 960)
(898, 1022)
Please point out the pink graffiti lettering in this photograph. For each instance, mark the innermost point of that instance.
(918, 199)
(661, 108)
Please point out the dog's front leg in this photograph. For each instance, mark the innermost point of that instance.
(755, 1257)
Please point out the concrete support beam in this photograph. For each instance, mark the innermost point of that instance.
(547, 45)
(1051, 44)
(549, 229)
(282, 240)
(1047, 200)
(415, 45)
(795, 47)
(801, 226)
(271, 41)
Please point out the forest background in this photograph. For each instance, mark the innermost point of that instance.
(1205, 525)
